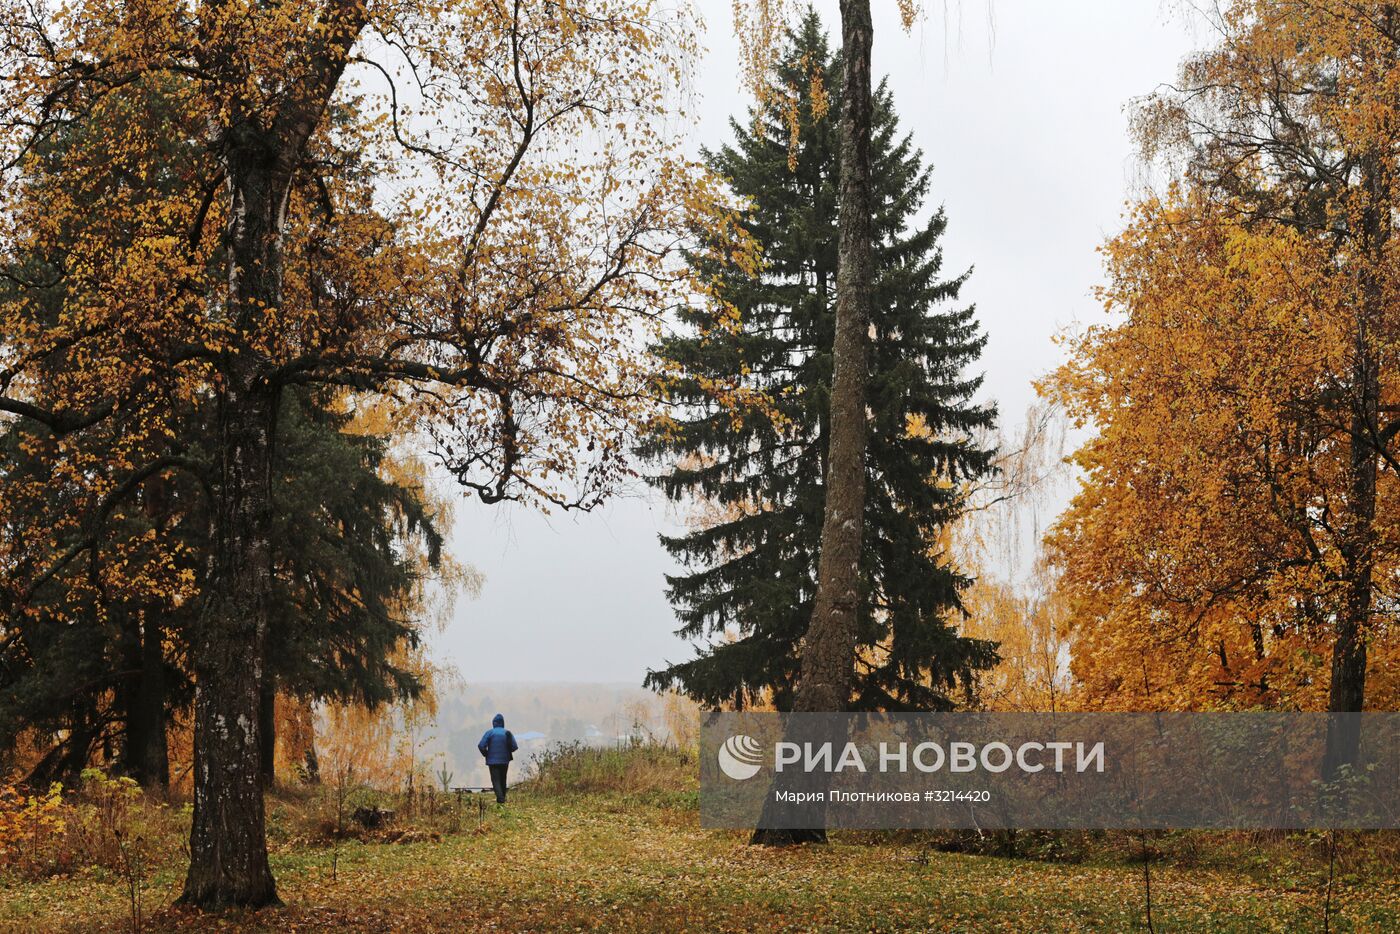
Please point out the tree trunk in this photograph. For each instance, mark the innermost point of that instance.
(141, 690)
(828, 651)
(155, 750)
(145, 754)
(1347, 692)
(126, 692)
(1348, 688)
(311, 759)
(260, 154)
(228, 845)
(66, 761)
(267, 731)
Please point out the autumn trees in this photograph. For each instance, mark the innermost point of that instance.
(99, 657)
(752, 555)
(97, 647)
(1233, 543)
(463, 209)
(227, 227)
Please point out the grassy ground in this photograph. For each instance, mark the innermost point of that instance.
(611, 861)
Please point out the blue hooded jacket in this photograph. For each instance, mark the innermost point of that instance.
(497, 743)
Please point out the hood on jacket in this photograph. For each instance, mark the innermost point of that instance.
(498, 720)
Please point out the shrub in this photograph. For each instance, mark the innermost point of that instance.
(107, 825)
(638, 767)
(30, 826)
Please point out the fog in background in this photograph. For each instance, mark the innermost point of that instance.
(1020, 107)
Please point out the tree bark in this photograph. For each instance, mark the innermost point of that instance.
(154, 750)
(126, 691)
(311, 760)
(828, 651)
(260, 153)
(228, 846)
(145, 756)
(142, 693)
(1347, 691)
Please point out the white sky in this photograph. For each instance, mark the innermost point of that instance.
(1019, 105)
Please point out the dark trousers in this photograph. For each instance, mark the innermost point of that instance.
(498, 781)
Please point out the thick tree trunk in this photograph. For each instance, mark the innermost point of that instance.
(228, 845)
(260, 153)
(828, 651)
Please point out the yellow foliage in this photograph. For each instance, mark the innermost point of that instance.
(1237, 520)
(1012, 599)
(26, 818)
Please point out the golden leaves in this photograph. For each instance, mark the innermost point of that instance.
(909, 11)
(760, 26)
(1209, 550)
(791, 105)
(27, 818)
(486, 227)
(1189, 556)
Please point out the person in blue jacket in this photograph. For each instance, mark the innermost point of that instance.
(498, 746)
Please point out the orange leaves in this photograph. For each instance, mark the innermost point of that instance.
(28, 818)
(1202, 559)
(1222, 520)
(909, 11)
(485, 227)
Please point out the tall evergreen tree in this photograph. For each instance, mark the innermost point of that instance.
(752, 564)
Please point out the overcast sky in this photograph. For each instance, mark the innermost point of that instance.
(1019, 105)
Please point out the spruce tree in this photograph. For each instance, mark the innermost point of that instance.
(752, 561)
(93, 667)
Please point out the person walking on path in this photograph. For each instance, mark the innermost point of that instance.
(498, 746)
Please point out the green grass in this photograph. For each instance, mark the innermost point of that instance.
(562, 859)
